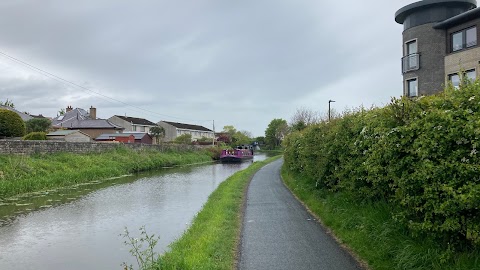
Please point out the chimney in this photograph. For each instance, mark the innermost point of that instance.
(93, 112)
(69, 108)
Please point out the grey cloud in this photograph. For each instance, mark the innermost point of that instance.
(194, 59)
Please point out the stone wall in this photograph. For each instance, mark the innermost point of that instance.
(48, 147)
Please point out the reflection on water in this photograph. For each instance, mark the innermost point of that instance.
(79, 227)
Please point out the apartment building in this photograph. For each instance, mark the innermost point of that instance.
(439, 44)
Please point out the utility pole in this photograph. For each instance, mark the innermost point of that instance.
(329, 116)
(213, 140)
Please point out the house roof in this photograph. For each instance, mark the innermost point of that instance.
(65, 132)
(90, 124)
(80, 119)
(459, 19)
(187, 126)
(71, 116)
(138, 135)
(108, 136)
(404, 12)
(136, 121)
(24, 116)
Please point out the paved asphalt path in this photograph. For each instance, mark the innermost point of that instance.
(278, 232)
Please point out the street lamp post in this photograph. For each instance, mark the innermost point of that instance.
(330, 101)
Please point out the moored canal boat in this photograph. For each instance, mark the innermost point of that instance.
(236, 155)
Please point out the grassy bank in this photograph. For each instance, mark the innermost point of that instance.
(212, 240)
(22, 174)
(371, 232)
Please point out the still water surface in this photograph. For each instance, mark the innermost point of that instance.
(80, 227)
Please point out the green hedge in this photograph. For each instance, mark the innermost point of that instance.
(35, 136)
(11, 124)
(419, 154)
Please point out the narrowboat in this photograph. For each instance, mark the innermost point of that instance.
(236, 155)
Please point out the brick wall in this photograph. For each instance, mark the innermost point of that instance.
(43, 147)
(432, 49)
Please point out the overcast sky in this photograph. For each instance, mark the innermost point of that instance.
(240, 63)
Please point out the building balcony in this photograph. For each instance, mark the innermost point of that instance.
(410, 62)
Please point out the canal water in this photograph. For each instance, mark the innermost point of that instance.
(79, 227)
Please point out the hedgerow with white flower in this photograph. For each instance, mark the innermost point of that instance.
(418, 154)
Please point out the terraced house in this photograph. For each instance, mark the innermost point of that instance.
(132, 124)
(173, 130)
(86, 122)
(439, 44)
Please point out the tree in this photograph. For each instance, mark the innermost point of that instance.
(260, 140)
(230, 130)
(184, 139)
(158, 133)
(38, 125)
(302, 118)
(61, 112)
(275, 132)
(242, 137)
(11, 124)
(7, 103)
(235, 137)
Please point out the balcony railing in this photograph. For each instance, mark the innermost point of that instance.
(410, 62)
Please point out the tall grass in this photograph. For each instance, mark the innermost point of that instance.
(369, 229)
(211, 242)
(22, 174)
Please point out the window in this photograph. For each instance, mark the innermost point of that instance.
(411, 47)
(412, 88)
(464, 39)
(134, 128)
(467, 76)
(471, 37)
(471, 75)
(455, 80)
(411, 60)
(142, 129)
(457, 41)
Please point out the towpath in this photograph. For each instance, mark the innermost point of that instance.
(278, 232)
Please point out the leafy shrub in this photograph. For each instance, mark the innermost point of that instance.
(35, 136)
(184, 139)
(38, 125)
(214, 152)
(421, 155)
(11, 124)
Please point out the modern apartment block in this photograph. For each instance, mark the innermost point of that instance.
(439, 44)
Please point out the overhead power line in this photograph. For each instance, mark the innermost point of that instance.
(85, 89)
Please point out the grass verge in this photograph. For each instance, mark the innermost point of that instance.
(211, 242)
(370, 231)
(23, 174)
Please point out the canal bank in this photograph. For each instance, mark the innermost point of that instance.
(83, 233)
(23, 174)
(213, 239)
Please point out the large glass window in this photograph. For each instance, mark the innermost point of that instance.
(411, 50)
(471, 37)
(411, 47)
(464, 39)
(467, 76)
(412, 88)
(471, 74)
(455, 80)
(457, 41)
